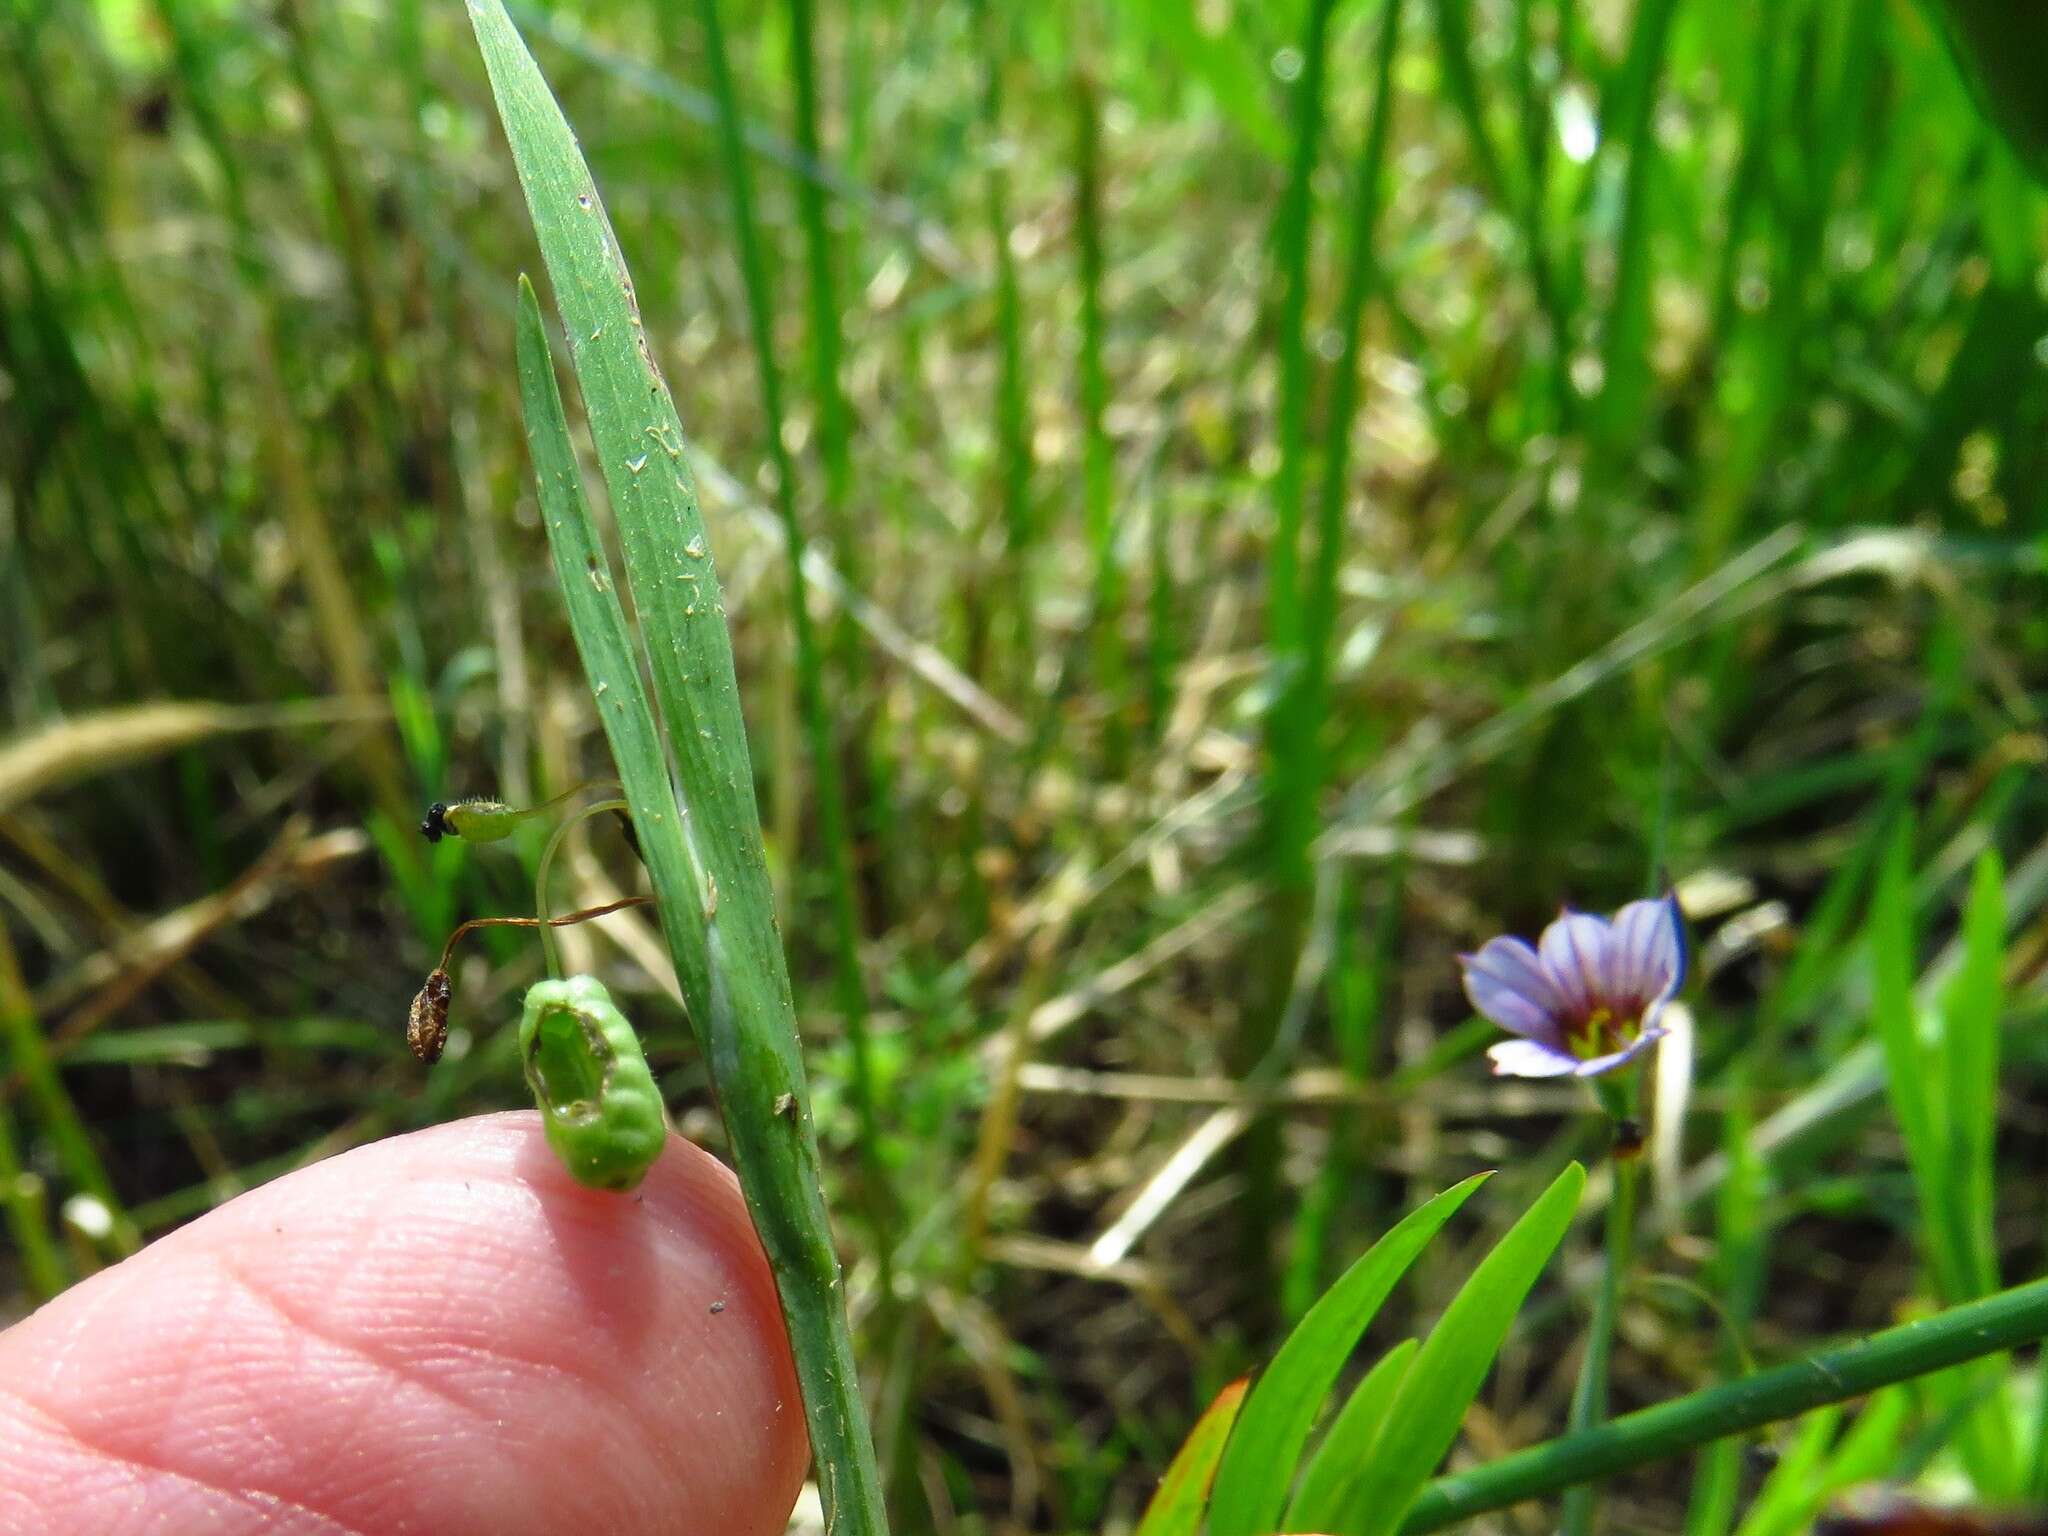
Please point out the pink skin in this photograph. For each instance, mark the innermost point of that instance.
(437, 1333)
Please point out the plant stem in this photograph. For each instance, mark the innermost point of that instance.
(1589, 1398)
(547, 863)
(2005, 1321)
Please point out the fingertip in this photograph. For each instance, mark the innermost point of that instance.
(443, 1329)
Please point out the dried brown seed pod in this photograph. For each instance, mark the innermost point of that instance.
(426, 1027)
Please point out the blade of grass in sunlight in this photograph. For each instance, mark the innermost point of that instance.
(731, 966)
(1943, 1083)
(1258, 1464)
(1626, 342)
(690, 906)
(1447, 1372)
(1317, 1502)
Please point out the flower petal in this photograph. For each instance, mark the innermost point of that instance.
(1506, 983)
(1574, 951)
(1529, 1058)
(1596, 1065)
(1650, 939)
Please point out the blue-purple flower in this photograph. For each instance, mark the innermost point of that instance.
(1588, 997)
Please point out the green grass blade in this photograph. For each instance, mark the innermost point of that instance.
(1361, 278)
(1316, 1503)
(1820, 1465)
(1012, 402)
(1453, 1362)
(1461, 84)
(822, 288)
(1913, 1070)
(1967, 1062)
(1290, 804)
(1258, 1464)
(1176, 1507)
(1226, 65)
(735, 978)
(1097, 459)
(1627, 340)
(42, 1262)
(829, 796)
(1780, 1498)
(1971, 1005)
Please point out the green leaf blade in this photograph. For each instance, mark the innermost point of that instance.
(721, 928)
(1317, 1504)
(1446, 1374)
(1258, 1464)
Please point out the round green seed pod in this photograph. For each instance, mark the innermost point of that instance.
(481, 821)
(598, 1102)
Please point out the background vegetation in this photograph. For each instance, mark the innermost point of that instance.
(1291, 490)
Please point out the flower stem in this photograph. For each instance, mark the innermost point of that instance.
(540, 878)
(1589, 1397)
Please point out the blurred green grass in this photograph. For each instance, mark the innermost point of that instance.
(1690, 517)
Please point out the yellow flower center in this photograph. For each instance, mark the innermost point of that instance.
(1601, 1032)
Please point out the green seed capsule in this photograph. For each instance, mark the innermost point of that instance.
(474, 821)
(597, 1099)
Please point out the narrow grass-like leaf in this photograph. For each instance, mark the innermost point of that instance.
(1627, 340)
(1997, 49)
(1798, 1468)
(1308, 690)
(721, 934)
(1288, 812)
(1096, 457)
(1012, 402)
(1819, 1465)
(829, 797)
(1223, 62)
(1258, 1465)
(1461, 84)
(1970, 1007)
(1912, 1069)
(1349, 1440)
(2005, 1321)
(1176, 1507)
(1424, 1417)
(1966, 1060)
(42, 1262)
